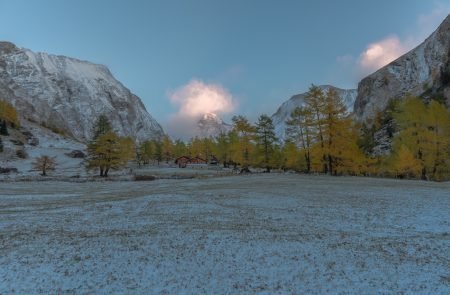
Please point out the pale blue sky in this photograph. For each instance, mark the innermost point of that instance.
(261, 52)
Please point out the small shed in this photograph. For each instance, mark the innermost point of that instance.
(182, 161)
(213, 161)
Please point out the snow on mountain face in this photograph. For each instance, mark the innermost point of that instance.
(416, 72)
(348, 96)
(211, 125)
(70, 94)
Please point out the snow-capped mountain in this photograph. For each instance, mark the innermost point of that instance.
(69, 94)
(423, 71)
(348, 96)
(211, 125)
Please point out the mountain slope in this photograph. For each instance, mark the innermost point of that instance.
(211, 125)
(284, 111)
(69, 94)
(424, 71)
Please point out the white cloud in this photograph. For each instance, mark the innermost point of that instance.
(194, 100)
(379, 54)
(197, 98)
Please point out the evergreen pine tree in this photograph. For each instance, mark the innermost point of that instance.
(101, 126)
(265, 138)
(3, 128)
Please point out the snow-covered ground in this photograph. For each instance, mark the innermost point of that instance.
(269, 234)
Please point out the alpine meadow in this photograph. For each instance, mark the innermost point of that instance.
(224, 147)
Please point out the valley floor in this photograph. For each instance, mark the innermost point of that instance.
(272, 234)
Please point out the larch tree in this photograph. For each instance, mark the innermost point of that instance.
(315, 103)
(293, 156)
(8, 114)
(336, 130)
(44, 163)
(438, 121)
(179, 148)
(146, 151)
(167, 148)
(222, 148)
(299, 130)
(245, 133)
(110, 151)
(158, 152)
(424, 131)
(405, 164)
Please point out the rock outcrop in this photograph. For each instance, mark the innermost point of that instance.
(424, 71)
(69, 94)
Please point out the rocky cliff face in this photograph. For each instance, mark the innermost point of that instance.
(70, 94)
(424, 71)
(348, 96)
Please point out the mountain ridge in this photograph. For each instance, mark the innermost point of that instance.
(69, 94)
(417, 72)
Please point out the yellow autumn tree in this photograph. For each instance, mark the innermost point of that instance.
(8, 113)
(242, 141)
(110, 151)
(424, 131)
(44, 163)
(222, 148)
(405, 164)
(179, 148)
(301, 131)
(167, 148)
(294, 157)
(315, 101)
(438, 122)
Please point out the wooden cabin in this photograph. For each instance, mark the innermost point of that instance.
(182, 161)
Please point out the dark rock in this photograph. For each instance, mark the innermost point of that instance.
(28, 134)
(33, 141)
(144, 177)
(21, 154)
(77, 154)
(245, 171)
(16, 142)
(7, 170)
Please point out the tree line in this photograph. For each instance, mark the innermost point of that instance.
(321, 137)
